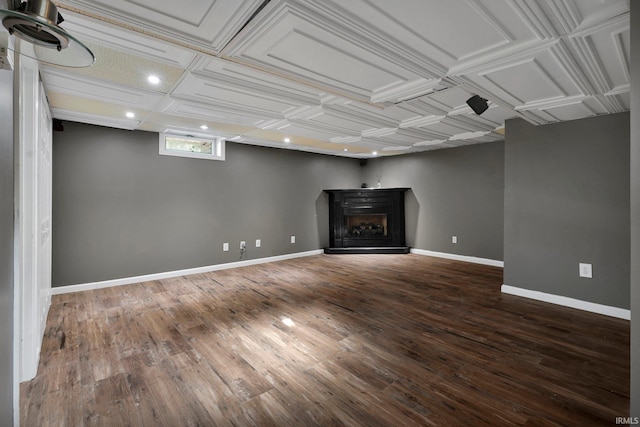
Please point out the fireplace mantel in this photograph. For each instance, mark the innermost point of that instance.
(366, 220)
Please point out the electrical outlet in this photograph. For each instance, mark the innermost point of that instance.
(586, 270)
(258, 243)
(243, 245)
(225, 247)
(293, 239)
(454, 239)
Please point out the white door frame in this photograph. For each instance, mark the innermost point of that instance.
(32, 130)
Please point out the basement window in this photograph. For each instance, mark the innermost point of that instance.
(211, 148)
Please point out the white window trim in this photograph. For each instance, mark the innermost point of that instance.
(218, 144)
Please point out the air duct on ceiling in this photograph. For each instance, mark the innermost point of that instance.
(37, 22)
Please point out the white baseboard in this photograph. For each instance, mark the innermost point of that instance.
(465, 258)
(620, 313)
(169, 274)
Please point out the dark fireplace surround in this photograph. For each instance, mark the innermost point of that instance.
(363, 221)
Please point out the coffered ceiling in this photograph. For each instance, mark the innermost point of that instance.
(348, 78)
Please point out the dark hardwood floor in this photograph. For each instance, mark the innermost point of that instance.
(327, 340)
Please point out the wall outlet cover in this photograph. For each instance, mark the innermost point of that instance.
(586, 270)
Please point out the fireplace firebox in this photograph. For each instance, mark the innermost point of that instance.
(366, 221)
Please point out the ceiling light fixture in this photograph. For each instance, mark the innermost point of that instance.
(37, 23)
(287, 140)
(130, 114)
(204, 127)
(154, 80)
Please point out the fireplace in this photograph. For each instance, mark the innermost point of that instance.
(366, 221)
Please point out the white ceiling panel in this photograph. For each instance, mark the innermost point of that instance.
(222, 94)
(232, 74)
(422, 107)
(570, 112)
(368, 118)
(311, 130)
(341, 123)
(590, 12)
(417, 26)
(223, 113)
(446, 128)
(360, 75)
(207, 24)
(452, 101)
(193, 16)
(399, 138)
(623, 101)
(604, 49)
(81, 86)
(124, 40)
(295, 41)
(526, 82)
(534, 82)
(95, 119)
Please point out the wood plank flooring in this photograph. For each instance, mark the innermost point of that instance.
(327, 340)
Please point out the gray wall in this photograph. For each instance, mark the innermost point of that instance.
(567, 201)
(635, 210)
(455, 192)
(122, 210)
(6, 247)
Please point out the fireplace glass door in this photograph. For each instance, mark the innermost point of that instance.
(366, 225)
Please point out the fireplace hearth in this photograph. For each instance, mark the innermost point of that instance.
(366, 221)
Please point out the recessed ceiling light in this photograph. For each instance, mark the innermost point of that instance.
(287, 140)
(345, 149)
(154, 80)
(130, 114)
(375, 153)
(204, 127)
